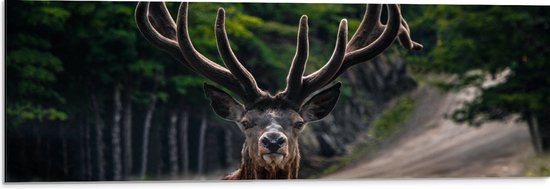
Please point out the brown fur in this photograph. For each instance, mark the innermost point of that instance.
(249, 169)
(281, 121)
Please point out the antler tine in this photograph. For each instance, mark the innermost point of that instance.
(154, 36)
(323, 76)
(199, 62)
(395, 26)
(161, 32)
(294, 78)
(369, 29)
(162, 20)
(405, 37)
(231, 62)
(381, 42)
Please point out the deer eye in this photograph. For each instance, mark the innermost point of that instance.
(247, 124)
(299, 125)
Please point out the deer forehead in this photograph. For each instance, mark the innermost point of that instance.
(273, 117)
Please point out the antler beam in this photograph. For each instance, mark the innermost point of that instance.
(369, 40)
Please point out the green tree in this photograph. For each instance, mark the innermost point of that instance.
(473, 42)
(33, 68)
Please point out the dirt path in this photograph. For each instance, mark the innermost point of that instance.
(434, 146)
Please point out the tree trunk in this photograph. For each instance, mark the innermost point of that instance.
(37, 148)
(202, 137)
(184, 152)
(146, 129)
(64, 151)
(83, 147)
(48, 155)
(173, 145)
(88, 152)
(99, 140)
(534, 131)
(115, 133)
(544, 132)
(127, 143)
(228, 147)
(82, 151)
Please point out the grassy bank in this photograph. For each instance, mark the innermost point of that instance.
(538, 166)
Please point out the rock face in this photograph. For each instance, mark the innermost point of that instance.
(367, 88)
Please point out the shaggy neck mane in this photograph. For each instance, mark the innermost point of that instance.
(251, 170)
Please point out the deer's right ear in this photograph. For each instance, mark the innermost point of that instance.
(223, 104)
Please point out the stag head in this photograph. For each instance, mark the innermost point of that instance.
(272, 123)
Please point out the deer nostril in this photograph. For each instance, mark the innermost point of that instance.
(265, 141)
(280, 141)
(273, 144)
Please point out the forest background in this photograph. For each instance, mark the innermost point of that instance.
(87, 98)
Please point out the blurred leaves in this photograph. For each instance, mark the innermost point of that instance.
(182, 83)
(392, 119)
(475, 44)
(32, 68)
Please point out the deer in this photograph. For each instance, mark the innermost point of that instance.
(272, 122)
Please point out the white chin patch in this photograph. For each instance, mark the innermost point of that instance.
(273, 158)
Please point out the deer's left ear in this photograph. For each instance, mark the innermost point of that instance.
(223, 104)
(321, 104)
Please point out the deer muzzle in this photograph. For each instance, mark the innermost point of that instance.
(273, 147)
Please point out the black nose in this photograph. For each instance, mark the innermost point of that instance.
(273, 142)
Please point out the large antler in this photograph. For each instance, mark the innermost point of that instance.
(158, 27)
(371, 38)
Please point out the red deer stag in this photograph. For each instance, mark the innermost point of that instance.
(272, 123)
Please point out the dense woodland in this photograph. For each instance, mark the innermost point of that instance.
(87, 98)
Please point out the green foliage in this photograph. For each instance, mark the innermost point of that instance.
(47, 15)
(28, 112)
(183, 82)
(145, 67)
(538, 166)
(32, 68)
(163, 96)
(391, 120)
(346, 89)
(473, 42)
